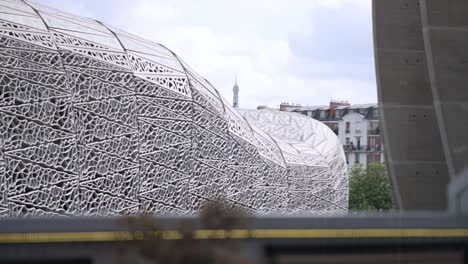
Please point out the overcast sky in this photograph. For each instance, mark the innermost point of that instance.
(305, 52)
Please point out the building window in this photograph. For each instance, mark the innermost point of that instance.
(372, 143)
(337, 113)
(373, 128)
(348, 141)
(347, 127)
(309, 113)
(356, 158)
(347, 158)
(322, 114)
(376, 112)
(358, 128)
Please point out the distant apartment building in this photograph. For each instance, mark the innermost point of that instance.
(357, 127)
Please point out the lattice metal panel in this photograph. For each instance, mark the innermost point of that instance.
(314, 158)
(96, 121)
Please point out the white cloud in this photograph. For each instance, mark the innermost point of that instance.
(157, 11)
(338, 4)
(252, 39)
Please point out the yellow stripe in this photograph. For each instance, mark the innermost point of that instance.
(233, 234)
(357, 233)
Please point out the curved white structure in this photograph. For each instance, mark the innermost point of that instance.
(303, 141)
(95, 120)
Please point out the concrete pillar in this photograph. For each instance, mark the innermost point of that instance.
(413, 147)
(445, 27)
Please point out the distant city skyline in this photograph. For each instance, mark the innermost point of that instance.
(304, 52)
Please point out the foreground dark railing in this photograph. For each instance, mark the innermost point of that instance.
(258, 240)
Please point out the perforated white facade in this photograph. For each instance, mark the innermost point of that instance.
(97, 121)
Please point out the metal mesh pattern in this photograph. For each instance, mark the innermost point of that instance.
(96, 121)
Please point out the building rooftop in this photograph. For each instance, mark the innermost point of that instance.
(335, 113)
(327, 107)
(358, 106)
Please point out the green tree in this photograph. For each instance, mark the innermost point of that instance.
(369, 189)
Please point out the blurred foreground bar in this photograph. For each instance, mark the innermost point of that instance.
(387, 238)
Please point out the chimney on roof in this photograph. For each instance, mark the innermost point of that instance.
(335, 103)
(286, 106)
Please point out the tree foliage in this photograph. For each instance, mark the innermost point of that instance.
(369, 189)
